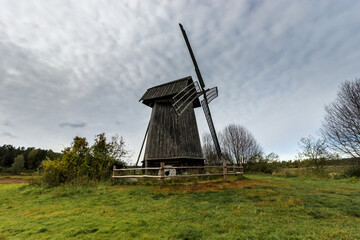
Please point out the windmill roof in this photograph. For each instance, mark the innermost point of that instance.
(166, 91)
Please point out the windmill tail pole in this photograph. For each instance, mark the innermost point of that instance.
(142, 145)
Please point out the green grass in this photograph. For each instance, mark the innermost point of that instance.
(259, 207)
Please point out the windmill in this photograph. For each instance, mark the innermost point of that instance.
(172, 133)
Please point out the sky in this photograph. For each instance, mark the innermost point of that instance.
(71, 68)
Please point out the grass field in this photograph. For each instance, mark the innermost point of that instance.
(258, 207)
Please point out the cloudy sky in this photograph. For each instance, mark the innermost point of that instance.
(72, 68)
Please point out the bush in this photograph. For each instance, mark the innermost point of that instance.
(267, 164)
(83, 162)
(18, 164)
(352, 171)
(54, 172)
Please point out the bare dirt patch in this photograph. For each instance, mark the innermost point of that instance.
(347, 188)
(9, 180)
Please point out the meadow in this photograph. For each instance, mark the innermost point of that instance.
(255, 207)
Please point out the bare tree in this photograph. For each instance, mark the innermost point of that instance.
(341, 126)
(240, 144)
(314, 150)
(209, 150)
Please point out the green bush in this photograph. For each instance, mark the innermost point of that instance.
(83, 162)
(54, 172)
(266, 164)
(18, 165)
(352, 171)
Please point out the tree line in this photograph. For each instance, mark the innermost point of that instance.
(30, 157)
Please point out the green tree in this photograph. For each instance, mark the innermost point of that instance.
(81, 161)
(31, 158)
(18, 164)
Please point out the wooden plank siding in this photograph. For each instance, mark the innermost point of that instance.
(171, 137)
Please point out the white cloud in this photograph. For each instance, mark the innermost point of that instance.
(276, 64)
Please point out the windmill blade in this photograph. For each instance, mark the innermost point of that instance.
(210, 122)
(197, 70)
(186, 97)
(211, 94)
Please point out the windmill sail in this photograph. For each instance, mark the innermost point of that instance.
(209, 94)
(186, 97)
(197, 70)
(210, 122)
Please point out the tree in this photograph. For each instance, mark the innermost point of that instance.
(264, 164)
(118, 151)
(240, 144)
(18, 164)
(209, 150)
(341, 126)
(31, 158)
(314, 150)
(81, 161)
(7, 156)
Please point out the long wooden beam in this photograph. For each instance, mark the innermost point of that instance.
(192, 175)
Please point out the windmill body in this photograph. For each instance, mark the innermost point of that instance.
(172, 138)
(172, 135)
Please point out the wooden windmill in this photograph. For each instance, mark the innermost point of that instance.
(172, 133)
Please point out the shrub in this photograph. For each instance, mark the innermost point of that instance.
(267, 164)
(54, 172)
(83, 162)
(18, 164)
(352, 171)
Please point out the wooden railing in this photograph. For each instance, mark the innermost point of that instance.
(226, 170)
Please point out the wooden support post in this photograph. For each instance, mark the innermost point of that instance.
(162, 171)
(114, 168)
(224, 169)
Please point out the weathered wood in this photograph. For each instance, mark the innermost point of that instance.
(235, 173)
(131, 169)
(167, 90)
(198, 175)
(137, 176)
(166, 167)
(162, 171)
(172, 137)
(204, 175)
(142, 145)
(190, 175)
(175, 158)
(195, 167)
